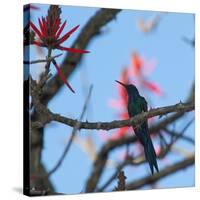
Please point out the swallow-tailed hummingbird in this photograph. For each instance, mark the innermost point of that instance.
(137, 104)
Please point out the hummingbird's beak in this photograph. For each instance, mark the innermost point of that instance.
(121, 83)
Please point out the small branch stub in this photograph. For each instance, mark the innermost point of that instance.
(121, 184)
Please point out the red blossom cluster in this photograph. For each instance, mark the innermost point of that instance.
(49, 35)
(140, 70)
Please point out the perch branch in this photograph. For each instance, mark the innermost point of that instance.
(180, 107)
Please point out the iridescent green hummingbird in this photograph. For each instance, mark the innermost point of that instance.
(136, 105)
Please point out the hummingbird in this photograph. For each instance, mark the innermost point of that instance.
(136, 105)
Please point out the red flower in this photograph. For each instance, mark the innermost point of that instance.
(50, 31)
(140, 68)
(137, 63)
(152, 87)
(49, 34)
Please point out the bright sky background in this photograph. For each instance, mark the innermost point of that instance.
(110, 52)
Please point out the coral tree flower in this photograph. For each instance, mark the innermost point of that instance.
(139, 66)
(49, 36)
(50, 31)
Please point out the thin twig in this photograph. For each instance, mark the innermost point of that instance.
(181, 134)
(42, 60)
(189, 41)
(174, 139)
(175, 134)
(75, 129)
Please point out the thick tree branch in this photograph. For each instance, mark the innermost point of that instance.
(89, 31)
(165, 172)
(180, 107)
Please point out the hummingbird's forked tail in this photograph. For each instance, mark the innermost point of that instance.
(150, 155)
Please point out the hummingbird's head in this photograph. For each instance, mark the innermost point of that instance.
(130, 88)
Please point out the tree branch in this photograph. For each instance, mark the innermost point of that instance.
(180, 107)
(48, 59)
(175, 134)
(165, 172)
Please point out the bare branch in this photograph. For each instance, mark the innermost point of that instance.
(180, 107)
(184, 137)
(181, 134)
(42, 60)
(174, 139)
(189, 41)
(165, 172)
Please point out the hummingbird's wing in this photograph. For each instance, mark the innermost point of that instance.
(145, 139)
(144, 106)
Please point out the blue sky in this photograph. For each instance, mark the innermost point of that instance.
(110, 52)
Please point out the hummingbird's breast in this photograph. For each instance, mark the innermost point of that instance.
(134, 107)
